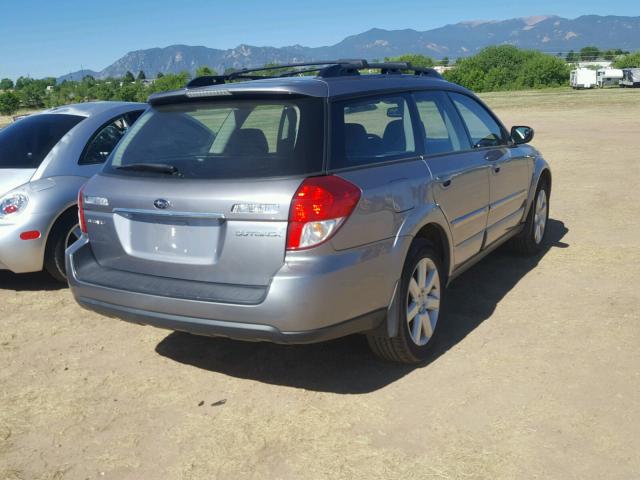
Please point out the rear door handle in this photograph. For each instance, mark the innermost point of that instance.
(496, 169)
(445, 182)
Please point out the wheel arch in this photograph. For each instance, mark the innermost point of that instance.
(65, 211)
(436, 235)
(435, 229)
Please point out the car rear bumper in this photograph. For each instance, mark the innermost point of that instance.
(235, 330)
(307, 301)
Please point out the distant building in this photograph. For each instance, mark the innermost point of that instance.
(595, 64)
(441, 68)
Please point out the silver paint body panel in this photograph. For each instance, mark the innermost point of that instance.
(477, 197)
(52, 188)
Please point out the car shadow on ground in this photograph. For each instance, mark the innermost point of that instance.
(28, 281)
(346, 365)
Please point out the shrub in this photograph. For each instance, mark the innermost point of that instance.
(9, 103)
(629, 61)
(508, 68)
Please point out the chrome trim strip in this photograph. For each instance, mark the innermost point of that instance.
(507, 199)
(468, 216)
(472, 237)
(171, 214)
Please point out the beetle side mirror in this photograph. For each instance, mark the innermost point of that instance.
(521, 134)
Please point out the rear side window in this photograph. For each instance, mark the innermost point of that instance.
(26, 143)
(440, 126)
(228, 139)
(483, 129)
(371, 130)
(106, 138)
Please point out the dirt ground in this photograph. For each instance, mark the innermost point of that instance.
(537, 374)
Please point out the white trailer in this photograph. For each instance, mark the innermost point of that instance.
(583, 78)
(630, 78)
(608, 76)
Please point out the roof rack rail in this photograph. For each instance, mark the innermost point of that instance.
(325, 69)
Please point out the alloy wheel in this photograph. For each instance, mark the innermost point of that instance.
(540, 216)
(423, 301)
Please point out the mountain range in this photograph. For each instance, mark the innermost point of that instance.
(547, 33)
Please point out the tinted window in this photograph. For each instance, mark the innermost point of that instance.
(483, 129)
(228, 139)
(371, 130)
(442, 130)
(104, 141)
(25, 143)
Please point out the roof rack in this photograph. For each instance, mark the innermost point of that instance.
(325, 69)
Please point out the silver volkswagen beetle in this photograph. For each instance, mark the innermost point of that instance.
(44, 160)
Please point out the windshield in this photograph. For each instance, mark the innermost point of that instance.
(25, 143)
(225, 139)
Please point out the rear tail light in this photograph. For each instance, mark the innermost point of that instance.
(318, 209)
(81, 220)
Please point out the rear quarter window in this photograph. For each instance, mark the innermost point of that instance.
(371, 130)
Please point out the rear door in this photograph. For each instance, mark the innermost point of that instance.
(461, 175)
(510, 167)
(222, 215)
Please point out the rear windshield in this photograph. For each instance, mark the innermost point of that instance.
(227, 139)
(25, 143)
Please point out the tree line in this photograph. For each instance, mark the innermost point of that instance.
(503, 67)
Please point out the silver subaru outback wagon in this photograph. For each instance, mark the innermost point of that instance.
(298, 209)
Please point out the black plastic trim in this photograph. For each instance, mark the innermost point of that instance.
(89, 271)
(235, 330)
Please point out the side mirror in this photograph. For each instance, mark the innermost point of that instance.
(521, 134)
(394, 112)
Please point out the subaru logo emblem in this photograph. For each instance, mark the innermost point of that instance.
(161, 203)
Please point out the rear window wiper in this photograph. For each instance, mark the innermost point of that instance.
(151, 167)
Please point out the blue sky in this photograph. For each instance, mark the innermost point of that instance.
(48, 37)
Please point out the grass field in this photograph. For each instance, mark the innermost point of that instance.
(537, 373)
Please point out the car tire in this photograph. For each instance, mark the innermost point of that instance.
(64, 232)
(531, 240)
(421, 296)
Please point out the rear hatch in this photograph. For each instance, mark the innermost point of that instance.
(201, 191)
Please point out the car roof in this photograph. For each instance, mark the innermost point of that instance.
(324, 87)
(89, 109)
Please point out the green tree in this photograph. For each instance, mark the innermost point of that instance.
(444, 62)
(204, 71)
(631, 60)
(32, 95)
(141, 75)
(6, 84)
(9, 103)
(573, 57)
(128, 77)
(506, 67)
(159, 75)
(169, 81)
(22, 82)
(414, 59)
(589, 54)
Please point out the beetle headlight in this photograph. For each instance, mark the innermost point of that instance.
(12, 204)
